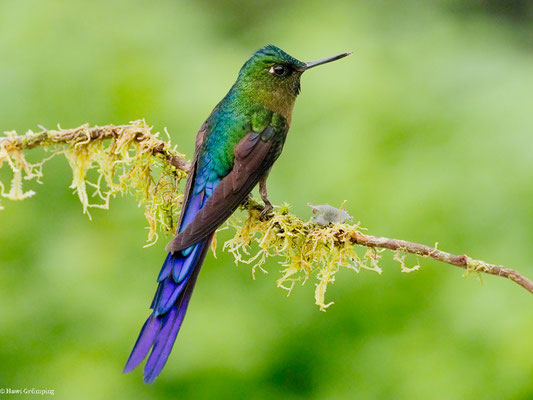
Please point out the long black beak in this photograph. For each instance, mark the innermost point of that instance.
(312, 64)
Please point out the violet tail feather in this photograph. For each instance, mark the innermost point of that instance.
(158, 334)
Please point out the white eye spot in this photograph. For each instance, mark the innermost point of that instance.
(278, 70)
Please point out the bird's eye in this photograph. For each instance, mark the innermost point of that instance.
(279, 70)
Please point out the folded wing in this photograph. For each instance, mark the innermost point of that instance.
(254, 155)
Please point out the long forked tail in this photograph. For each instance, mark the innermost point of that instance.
(176, 283)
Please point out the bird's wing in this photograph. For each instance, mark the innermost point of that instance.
(254, 156)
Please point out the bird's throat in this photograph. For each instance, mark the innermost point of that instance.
(277, 101)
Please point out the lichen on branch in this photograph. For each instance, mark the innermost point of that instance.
(105, 161)
(306, 248)
(130, 159)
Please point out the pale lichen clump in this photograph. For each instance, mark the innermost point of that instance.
(400, 256)
(475, 267)
(127, 159)
(14, 157)
(306, 248)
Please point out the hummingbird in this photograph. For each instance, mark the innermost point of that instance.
(235, 150)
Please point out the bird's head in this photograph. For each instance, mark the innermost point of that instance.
(272, 77)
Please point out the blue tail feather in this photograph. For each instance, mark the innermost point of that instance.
(168, 265)
(168, 295)
(156, 296)
(170, 305)
(176, 282)
(181, 270)
(162, 337)
(144, 343)
(166, 338)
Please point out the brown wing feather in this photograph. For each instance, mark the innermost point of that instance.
(253, 158)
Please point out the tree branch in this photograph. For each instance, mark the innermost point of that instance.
(463, 261)
(306, 246)
(138, 130)
(346, 233)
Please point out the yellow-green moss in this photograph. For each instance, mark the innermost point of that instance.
(124, 160)
(307, 249)
(130, 159)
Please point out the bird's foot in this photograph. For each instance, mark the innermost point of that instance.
(263, 215)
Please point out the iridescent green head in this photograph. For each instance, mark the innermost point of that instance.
(272, 77)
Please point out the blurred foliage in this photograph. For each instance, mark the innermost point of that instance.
(426, 130)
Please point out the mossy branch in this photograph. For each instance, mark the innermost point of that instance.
(131, 159)
(137, 131)
(106, 160)
(309, 247)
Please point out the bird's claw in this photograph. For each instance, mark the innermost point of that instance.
(266, 210)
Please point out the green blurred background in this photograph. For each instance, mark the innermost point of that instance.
(426, 131)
